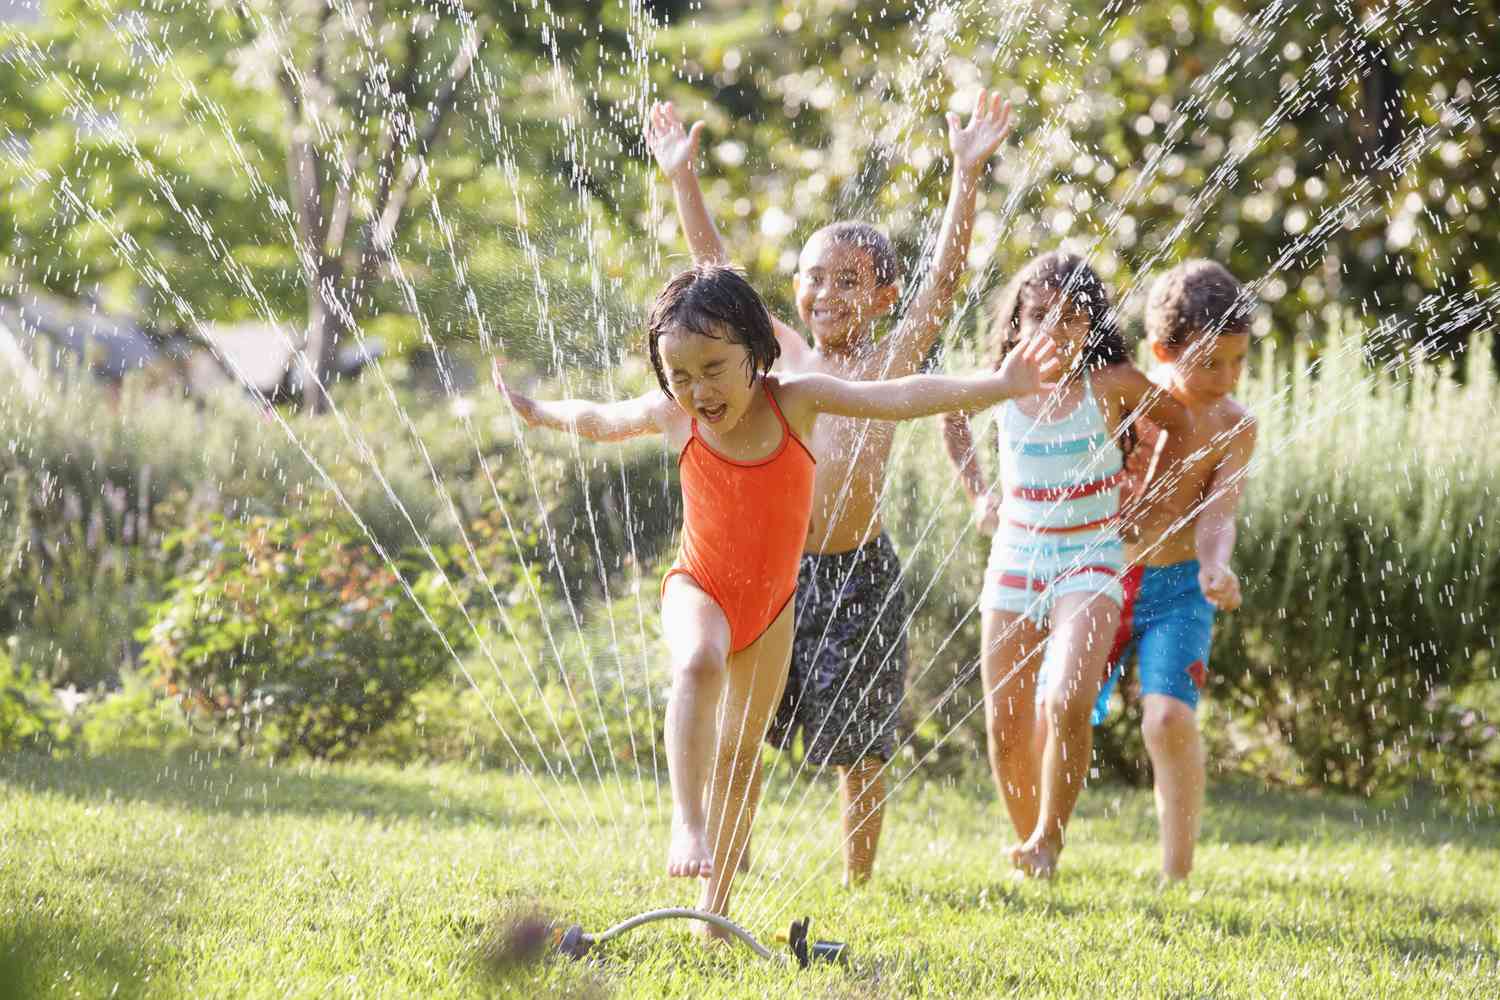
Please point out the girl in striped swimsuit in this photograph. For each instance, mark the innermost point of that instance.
(1052, 593)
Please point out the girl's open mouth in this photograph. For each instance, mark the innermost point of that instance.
(713, 414)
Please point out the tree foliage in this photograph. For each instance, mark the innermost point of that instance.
(432, 171)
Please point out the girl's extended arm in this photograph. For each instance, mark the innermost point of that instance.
(596, 421)
(958, 439)
(1214, 528)
(926, 395)
(1140, 396)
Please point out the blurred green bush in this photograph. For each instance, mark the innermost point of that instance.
(1362, 659)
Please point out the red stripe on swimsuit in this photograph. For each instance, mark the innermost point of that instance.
(1073, 492)
(1064, 530)
(1020, 581)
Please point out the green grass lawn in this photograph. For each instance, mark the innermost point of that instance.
(145, 877)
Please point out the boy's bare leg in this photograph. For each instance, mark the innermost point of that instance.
(1011, 655)
(698, 646)
(864, 811)
(756, 676)
(1083, 627)
(1170, 730)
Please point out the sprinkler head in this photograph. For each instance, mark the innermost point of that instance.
(819, 951)
(574, 942)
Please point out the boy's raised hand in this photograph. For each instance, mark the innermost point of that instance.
(524, 406)
(1026, 368)
(674, 147)
(973, 144)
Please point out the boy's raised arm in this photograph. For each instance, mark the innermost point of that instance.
(627, 418)
(972, 146)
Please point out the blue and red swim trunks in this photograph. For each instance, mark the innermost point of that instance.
(1170, 625)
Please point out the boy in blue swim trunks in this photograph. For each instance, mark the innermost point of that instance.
(1179, 525)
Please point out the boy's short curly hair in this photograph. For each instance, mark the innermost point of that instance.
(713, 301)
(1194, 298)
(883, 256)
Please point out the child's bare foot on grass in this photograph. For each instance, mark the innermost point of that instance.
(688, 855)
(856, 879)
(1037, 857)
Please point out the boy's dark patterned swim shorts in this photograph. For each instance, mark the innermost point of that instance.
(848, 659)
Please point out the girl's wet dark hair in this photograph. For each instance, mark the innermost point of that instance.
(1069, 275)
(713, 301)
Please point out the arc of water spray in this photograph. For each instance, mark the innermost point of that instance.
(1404, 156)
(130, 251)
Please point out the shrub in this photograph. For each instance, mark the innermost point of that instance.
(1371, 556)
(296, 633)
(29, 713)
(134, 717)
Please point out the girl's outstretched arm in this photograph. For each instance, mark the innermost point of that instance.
(958, 439)
(627, 418)
(1023, 374)
(1141, 397)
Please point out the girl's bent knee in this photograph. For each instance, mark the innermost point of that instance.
(1009, 735)
(700, 664)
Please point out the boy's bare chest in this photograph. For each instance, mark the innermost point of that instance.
(1184, 472)
(847, 449)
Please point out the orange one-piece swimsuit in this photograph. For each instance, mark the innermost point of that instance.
(744, 526)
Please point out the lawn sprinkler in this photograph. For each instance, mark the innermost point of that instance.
(576, 943)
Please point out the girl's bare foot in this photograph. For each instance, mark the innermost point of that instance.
(688, 855)
(1037, 857)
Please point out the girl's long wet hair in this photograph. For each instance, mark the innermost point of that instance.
(1069, 275)
(713, 301)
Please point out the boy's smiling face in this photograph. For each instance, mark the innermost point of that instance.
(707, 376)
(838, 295)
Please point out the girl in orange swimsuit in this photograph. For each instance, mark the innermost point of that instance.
(747, 478)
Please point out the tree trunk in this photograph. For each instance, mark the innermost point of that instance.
(324, 325)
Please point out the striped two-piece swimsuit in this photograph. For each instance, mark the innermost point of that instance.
(1062, 494)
